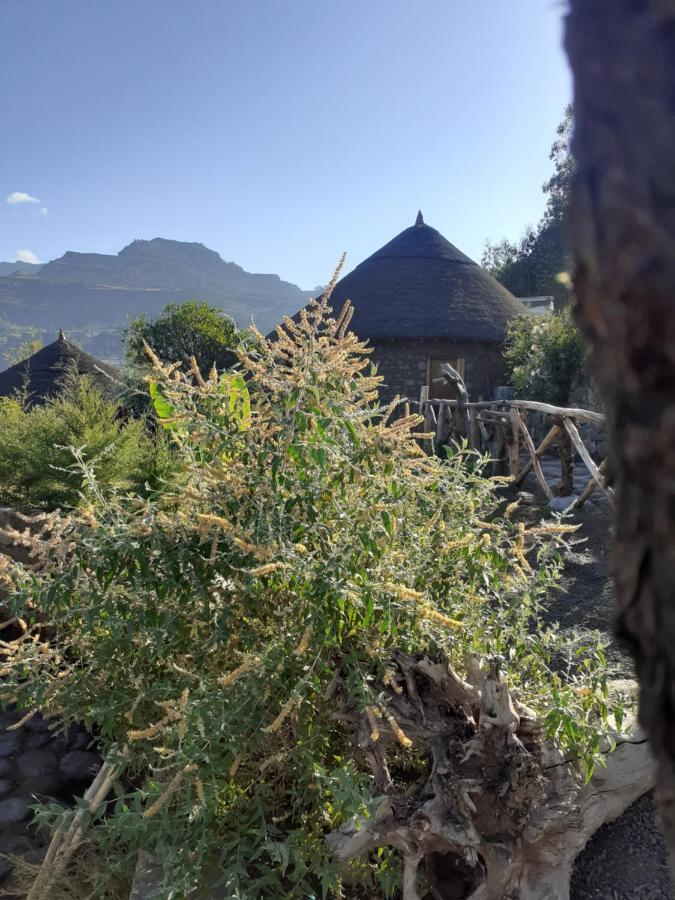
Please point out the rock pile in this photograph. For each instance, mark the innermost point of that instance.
(37, 764)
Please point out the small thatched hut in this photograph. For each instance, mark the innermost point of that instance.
(41, 375)
(421, 302)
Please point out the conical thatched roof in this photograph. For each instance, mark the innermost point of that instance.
(44, 371)
(420, 286)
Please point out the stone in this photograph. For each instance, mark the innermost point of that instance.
(5, 767)
(9, 717)
(80, 765)
(36, 740)
(13, 810)
(36, 762)
(6, 785)
(9, 743)
(560, 504)
(79, 740)
(37, 723)
(49, 784)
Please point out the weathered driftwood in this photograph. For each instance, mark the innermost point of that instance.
(539, 452)
(566, 484)
(499, 814)
(511, 440)
(571, 429)
(529, 445)
(68, 836)
(452, 376)
(591, 486)
(583, 414)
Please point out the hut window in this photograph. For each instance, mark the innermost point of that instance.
(440, 389)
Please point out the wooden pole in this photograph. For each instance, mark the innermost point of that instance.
(529, 446)
(440, 427)
(511, 433)
(590, 487)
(571, 429)
(584, 414)
(566, 484)
(539, 452)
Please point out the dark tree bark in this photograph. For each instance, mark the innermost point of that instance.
(622, 54)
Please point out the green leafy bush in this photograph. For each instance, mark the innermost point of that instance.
(181, 331)
(546, 357)
(38, 448)
(222, 631)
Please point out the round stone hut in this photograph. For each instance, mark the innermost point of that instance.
(420, 302)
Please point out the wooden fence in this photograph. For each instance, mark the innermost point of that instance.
(500, 428)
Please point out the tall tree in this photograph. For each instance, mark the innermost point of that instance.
(183, 330)
(622, 54)
(530, 267)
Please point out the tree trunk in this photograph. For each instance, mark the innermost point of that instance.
(622, 54)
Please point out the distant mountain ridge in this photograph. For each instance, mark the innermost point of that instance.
(19, 268)
(93, 295)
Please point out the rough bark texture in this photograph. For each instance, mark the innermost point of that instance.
(497, 815)
(622, 54)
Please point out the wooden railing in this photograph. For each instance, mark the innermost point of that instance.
(499, 428)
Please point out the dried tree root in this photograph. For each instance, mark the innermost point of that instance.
(499, 805)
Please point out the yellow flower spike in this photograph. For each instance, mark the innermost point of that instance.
(170, 789)
(401, 736)
(266, 569)
(389, 679)
(199, 787)
(234, 768)
(304, 641)
(249, 663)
(284, 713)
(143, 734)
(371, 713)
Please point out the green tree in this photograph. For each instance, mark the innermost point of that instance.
(546, 357)
(530, 266)
(183, 330)
(40, 447)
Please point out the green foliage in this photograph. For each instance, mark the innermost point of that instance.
(29, 344)
(530, 266)
(183, 330)
(216, 628)
(546, 357)
(39, 445)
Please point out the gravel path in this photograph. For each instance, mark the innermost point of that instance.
(626, 859)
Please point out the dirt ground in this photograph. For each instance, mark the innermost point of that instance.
(625, 860)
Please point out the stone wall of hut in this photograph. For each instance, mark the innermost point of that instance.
(404, 366)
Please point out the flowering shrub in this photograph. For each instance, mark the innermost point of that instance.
(546, 357)
(218, 631)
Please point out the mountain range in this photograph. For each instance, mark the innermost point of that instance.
(92, 296)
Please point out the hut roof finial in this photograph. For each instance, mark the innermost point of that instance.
(420, 218)
(62, 336)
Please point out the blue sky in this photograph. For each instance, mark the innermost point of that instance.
(277, 132)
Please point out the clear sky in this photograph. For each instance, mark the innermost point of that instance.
(277, 132)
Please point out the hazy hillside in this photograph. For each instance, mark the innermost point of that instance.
(22, 268)
(93, 295)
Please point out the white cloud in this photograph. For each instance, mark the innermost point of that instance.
(20, 197)
(26, 256)
(44, 210)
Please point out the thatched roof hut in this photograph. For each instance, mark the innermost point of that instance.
(420, 301)
(42, 374)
